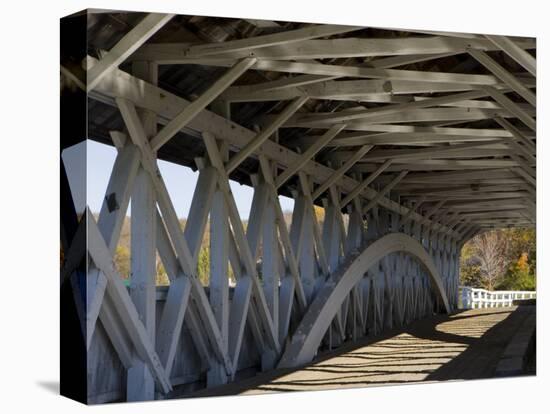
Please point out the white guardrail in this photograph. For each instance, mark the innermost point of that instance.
(474, 298)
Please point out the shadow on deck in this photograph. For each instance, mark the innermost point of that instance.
(465, 345)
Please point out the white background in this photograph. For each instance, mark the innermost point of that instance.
(29, 209)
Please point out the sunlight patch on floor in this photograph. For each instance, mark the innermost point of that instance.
(401, 359)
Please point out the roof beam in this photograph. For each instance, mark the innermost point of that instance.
(363, 72)
(410, 139)
(432, 152)
(255, 143)
(511, 107)
(388, 74)
(493, 214)
(433, 210)
(350, 162)
(396, 61)
(253, 43)
(357, 90)
(473, 196)
(480, 153)
(190, 111)
(364, 184)
(428, 178)
(504, 75)
(471, 186)
(365, 114)
(291, 87)
(404, 116)
(411, 211)
(338, 90)
(374, 201)
(498, 202)
(512, 49)
(308, 154)
(126, 46)
(292, 45)
(280, 84)
(525, 175)
(516, 133)
(420, 165)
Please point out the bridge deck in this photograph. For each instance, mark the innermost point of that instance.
(465, 345)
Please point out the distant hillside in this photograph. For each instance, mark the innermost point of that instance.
(122, 254)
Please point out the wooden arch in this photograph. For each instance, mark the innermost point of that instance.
(323, 309)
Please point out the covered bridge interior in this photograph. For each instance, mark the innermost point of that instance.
(411, 142)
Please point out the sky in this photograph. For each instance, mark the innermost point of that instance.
(179, 180)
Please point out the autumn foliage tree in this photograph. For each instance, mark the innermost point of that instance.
(500, 260)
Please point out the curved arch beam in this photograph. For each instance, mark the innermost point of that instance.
(323, 309)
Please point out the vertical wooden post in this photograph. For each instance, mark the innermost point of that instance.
(140, 382)
(270, 275)
(219, 275)
(271, 262)
(306, 254)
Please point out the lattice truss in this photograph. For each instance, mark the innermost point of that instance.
(406, 163)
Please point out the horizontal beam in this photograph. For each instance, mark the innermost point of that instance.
(295, 47)
(404, 116)
(461, 150)
(432, 178)
(252, 43)
(365, 114)
(426, 165)
(362, 72)
(325, 87)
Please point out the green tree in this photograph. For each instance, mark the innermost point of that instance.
(162, 277)
(519, 276)
(122, 261)
(203, 266)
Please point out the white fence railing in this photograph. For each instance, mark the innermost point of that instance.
(474, 298)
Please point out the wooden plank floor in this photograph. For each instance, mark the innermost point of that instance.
(465, 345)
